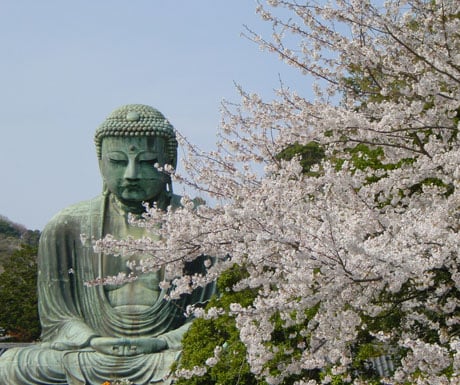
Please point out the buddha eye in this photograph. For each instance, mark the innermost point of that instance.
(150, 162)
(118, 162)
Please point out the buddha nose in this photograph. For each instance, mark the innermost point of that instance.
(131, 172)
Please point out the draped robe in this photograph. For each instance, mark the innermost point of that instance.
(72, 313)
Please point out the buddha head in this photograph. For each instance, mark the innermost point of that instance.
(132, 144)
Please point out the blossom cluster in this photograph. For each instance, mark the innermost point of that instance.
(368, 236)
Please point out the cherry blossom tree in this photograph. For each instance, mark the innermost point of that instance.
(357, 254)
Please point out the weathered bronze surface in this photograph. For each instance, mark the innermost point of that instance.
(94, 334)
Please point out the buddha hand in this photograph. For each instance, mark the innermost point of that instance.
(127, 346)
(64, 345)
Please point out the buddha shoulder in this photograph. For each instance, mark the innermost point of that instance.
(76, 215)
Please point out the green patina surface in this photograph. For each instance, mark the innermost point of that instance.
(94, 334)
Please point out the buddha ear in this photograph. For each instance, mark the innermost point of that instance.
(105, 189)
(104, 185)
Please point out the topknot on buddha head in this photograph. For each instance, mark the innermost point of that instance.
(138, 120)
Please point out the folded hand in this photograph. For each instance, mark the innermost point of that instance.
(127, 346)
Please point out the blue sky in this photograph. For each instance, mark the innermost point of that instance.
(65, 65)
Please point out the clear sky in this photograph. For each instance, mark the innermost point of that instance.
(65, 65)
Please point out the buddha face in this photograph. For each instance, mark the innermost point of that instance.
(127, 166)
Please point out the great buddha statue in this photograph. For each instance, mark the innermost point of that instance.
(93, 334)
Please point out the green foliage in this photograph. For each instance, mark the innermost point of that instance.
(365, 84)
(434, 182)
(18, 295)
(310, 154)
(204, 335)
(8, 229)
(427, 302)
(422, 305)
(286, 345)
(362, 353)
(31, 238)
(367, 157)
(12, 236)
(232, 368)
